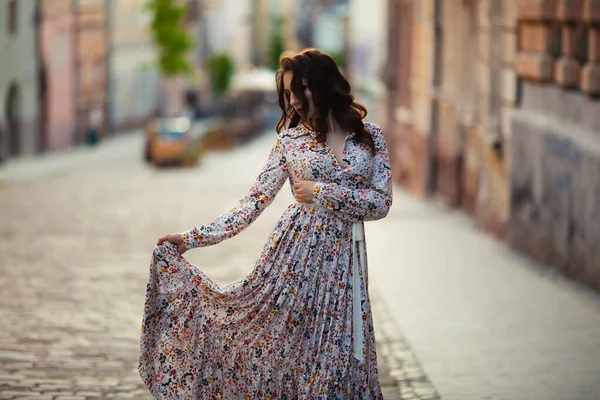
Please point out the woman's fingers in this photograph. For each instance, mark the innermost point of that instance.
(161, 240)
(304, 191)
(171, 237)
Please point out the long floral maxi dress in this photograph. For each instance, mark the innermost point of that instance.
(286, 330)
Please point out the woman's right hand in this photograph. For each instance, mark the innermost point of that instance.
(175, 238)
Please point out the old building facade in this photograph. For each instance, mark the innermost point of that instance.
(451, 88)
(492, 106)
(91, 68)
(19, 79)
(56, 35)
(555, 151)
(366, 43)
(134, 77)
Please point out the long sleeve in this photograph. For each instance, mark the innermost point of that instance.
(267, 185)
(362, 204)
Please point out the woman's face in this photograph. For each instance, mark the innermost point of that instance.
(295, 102)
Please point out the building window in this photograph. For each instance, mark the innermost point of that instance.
(12, 17)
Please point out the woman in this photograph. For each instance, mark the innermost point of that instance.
(299, 325)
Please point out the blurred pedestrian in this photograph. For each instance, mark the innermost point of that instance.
(299, 325)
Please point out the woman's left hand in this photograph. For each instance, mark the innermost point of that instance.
(176, 239)
(304, 191)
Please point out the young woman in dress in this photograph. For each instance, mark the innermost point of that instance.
(299, 325)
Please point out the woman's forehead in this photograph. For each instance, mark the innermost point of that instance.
(287, 78)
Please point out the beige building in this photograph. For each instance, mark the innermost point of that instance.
(19, 79)
(451, 88)
(134, 78)
(366, 37)
(492, 106)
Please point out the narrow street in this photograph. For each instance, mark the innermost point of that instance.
(458, 316)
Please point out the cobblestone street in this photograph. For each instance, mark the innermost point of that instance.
(458, 316)
(77, 233)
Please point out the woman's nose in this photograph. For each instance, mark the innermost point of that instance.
(294, 101)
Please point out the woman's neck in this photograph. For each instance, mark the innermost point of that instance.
(332, 126)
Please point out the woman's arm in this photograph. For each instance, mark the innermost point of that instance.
(267, 185)
(362, 204)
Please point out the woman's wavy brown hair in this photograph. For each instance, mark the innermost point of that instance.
(330, 92)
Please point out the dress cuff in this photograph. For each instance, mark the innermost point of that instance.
(318, 194)
(322, 195)
(191, 238)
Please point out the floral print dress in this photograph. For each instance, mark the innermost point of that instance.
(299, 325)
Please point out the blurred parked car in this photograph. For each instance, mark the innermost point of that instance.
(172, 141)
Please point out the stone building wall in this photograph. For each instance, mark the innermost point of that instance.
(58, 74)
(555, 151)
(19, 76)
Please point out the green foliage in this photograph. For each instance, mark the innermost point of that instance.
(277, 45)
(170, 36)
(338, 56)
(221, 68)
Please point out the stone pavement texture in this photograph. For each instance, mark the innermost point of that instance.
(452, 307)
(76, 236)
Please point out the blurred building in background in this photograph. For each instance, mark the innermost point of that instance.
(260, 32)
(493, 106)
(19, 79)
(91, 26)
(330, 31)
(365, 43)
(555, 147)
(134, 77)
(272, 18)
(229, 26)
(57, 76)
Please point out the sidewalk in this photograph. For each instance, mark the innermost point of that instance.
(484, 321)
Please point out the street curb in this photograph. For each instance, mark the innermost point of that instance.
(404, 367)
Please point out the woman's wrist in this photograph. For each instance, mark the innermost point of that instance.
(191, 238)
(318, 193)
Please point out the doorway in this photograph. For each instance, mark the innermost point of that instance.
(13, 119)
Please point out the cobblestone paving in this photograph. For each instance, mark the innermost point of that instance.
(75, 244)
(403, 367)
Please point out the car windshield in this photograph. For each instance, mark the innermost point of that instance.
(174, 127)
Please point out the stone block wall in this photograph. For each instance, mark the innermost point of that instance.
(555, 187)
(555, 149)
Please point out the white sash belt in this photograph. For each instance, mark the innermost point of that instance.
(358, 250)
